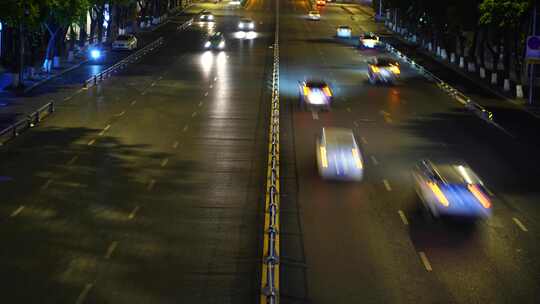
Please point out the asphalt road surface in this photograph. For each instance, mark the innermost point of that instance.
(367, 242)
(148, 187)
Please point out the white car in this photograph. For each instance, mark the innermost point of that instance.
(368, 40)
(234, 2)
(451, 189)
(344, 31)
(206, 17)
(246, 24)
(314, 15)
(125, 42)
(338, 155)
(383, 70)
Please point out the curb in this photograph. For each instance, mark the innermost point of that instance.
(54, 76)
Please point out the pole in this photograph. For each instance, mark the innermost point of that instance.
(21, 53)
(531, 69)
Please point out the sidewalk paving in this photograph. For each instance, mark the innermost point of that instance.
(15, 107)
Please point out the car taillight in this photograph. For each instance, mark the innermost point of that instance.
(357, 160)
(479, 195)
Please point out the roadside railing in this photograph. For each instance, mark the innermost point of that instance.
(26, 123)
(465, 100)
(122, 64)
(270, 263)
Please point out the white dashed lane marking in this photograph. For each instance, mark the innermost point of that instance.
(374, 160)
(151, 184)
(403, 217)
(111, 249)
(72, 160)
(425, 261)
(17, 211)
(47, 184)
(133, 213)
(364, 140)
(387, 185)
(104, 130)
(164, 162)
(175, 145)
(84, 293)
(186, 127)
(315, 115)
(133, 102)
(91, 142)
(520, 224)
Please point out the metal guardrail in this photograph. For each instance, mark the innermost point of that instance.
(270, 263)
(465, 100)
(122, 64)
(26, 123)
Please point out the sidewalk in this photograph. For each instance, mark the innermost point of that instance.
(14, 108)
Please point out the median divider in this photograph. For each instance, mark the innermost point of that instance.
(270, 261)
(32, 120)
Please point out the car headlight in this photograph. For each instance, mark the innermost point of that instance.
(207, 44)
(95, 54)
(251, 25)
(221, 44)
(240, 25)
(210, 17)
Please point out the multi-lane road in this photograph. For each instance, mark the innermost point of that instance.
(149, 188)
(367, 242)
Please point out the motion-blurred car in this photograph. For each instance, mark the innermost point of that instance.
(314, 15)
(206, 16)
(246, 24)
(344, 31)
(124, 43)
(382, 69)
(215, 42)
(315, 94)
(451, 189)
(338, 155)
(368, 40)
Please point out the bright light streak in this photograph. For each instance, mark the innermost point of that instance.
(207, 44)
(439, 194)
(206, 62)
(479, 196)
(464, 173)
(251, 35)
(324, 159)
(356, 158)
(240, 35)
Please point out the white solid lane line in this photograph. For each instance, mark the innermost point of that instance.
(425, 261)
(315, 115)
(403, 218)
(111, 249)
(374, 160)
(520, 224)
(133, 213)
(84, 293)
(387, 185)
(17, 211)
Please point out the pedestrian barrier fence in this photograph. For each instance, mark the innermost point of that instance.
(122, 64)
(26, 123)
(465, 100)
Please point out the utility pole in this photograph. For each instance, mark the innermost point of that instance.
(531, 69)
(21, 53)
